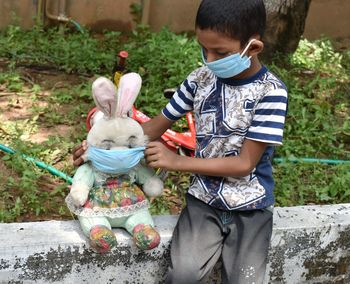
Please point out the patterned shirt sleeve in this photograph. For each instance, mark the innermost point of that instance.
(182, 100)
(268, 121)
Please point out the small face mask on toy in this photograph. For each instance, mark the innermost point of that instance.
(115, 161)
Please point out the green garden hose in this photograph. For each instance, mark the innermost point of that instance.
(67, 178)
(40, 164)
(310, 160)
(77, 25)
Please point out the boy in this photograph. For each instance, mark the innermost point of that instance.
(239, 109)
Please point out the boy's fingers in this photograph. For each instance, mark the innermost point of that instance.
(77, 147)
(77, 153)
(78, 161)
(152, 157)
(149, 151)
(153, 147)
(153, 144)
(82, 145)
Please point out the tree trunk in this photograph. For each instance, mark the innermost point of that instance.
(285, 25)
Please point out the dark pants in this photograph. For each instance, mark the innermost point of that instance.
(204, 235)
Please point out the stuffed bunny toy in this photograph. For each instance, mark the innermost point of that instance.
(105, 192)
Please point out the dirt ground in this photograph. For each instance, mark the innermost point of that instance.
(15, 106)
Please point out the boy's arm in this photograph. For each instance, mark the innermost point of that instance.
(155, 127)
(158, 156)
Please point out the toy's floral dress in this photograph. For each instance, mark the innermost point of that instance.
(115, 199)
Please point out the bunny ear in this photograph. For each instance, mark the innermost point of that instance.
(128, 89)
(104, 94)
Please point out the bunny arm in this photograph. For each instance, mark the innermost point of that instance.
(152, 185)
(83, 181)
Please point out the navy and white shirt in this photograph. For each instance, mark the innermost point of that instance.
(226, 112)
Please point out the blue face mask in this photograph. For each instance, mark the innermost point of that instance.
(115, 161)
(229, 66)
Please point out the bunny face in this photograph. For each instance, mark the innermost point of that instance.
(117, 133)
(116, 142)
(115, 130)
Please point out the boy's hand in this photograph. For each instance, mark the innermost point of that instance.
(159, 156)
(78, 152)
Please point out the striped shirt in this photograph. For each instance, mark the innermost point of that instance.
(226, 112)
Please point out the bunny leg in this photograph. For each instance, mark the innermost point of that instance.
(141, 226)
(99, 232)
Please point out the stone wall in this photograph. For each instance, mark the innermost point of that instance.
(310, 244)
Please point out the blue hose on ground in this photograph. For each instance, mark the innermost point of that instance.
(310, 160)
(40, 164)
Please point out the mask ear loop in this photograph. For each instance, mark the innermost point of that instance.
(246, 48)
(204, 57)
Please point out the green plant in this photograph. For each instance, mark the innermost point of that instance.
(318, 56)
(317, 122)
(12, 81)
(70, 52)
(136, 11)
(302, 184)
(25, 195)
(164, 60)
(317, 125)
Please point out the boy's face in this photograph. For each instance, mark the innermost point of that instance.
(217, 45)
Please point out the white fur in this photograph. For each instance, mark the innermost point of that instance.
(128, 89)
(79, 193)
(153, 187)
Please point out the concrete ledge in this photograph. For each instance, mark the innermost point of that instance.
(310, 244)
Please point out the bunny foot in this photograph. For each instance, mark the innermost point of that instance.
(102, 239)
(145, 237)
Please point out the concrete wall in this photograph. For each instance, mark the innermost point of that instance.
(328, 17)
(178, 15)
(310, 244)
(21, 12)
(99, 15)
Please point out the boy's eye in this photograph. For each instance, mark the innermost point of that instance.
(222, 54)
(216, 53)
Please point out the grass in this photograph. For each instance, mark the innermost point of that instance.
(317, 126)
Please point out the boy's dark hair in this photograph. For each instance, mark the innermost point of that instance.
(238, 19)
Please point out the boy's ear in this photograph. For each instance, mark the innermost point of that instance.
(256, 47)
